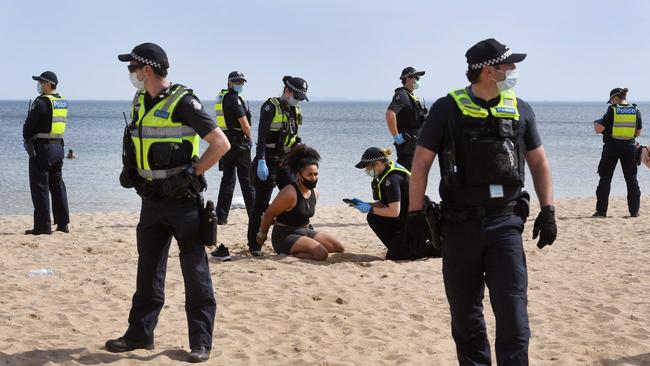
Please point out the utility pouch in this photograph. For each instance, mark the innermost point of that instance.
(208, 223)
(433, 216)
(128, 150)
(523, 205)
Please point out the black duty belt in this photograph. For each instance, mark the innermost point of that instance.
(469, 213)
(49, 141)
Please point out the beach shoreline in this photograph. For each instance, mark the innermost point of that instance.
(587, 296)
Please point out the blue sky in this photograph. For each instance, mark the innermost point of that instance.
(577, 50)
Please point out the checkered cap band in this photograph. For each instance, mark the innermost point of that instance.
(145, 61)
(491, 62)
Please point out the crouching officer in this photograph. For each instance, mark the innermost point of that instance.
(43, 135)
(161, 163)
(483, 135)
(619, 127)
(405, 116)
(234, 120)
(276, 137)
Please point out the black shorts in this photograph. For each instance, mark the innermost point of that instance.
(284, 237)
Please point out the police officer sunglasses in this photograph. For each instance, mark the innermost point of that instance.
(135, 67)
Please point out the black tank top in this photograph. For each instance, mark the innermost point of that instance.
(300, 214)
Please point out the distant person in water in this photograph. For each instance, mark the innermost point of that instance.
(71, 154)
(290, 211)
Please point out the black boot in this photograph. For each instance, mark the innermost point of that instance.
(199, 354)
(124, 345)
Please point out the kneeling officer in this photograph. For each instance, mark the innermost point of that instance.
(160, 156)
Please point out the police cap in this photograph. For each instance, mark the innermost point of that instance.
(47, 76)
(490, 52)
(147, 54)
(297, 85)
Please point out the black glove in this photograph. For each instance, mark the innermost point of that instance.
(29, 148)
(545, 227)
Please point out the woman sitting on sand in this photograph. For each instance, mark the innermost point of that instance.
(291, 209)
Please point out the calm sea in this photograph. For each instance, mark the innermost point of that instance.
(341, 131)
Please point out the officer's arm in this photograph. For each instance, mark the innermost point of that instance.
(246, 127)
(637, 133)
(598, 128)
(541, 172)
(392, 210)
(422, 162)
(639, 124)
(396, 105)
(218, 145)
(285, 201)
(266, 116)
(391, 122)
(33, 116)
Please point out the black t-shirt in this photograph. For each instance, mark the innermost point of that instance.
(608, 122)
(189, 111)
(233, 109)
(39, 118)
(405, 109)
(395, 188)
(432, 137)
(264, 136)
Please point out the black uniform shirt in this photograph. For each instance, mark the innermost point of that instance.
(189, 111)
(395, 188)
(608, 121)
(39, 118)
(264, 136)
(404, 109)
(432, 137)
(233, 109)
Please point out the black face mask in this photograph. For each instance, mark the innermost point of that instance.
(308, 183)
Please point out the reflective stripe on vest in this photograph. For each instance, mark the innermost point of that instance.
(156, 125)
(624, 127)
(218, 108)
(391, 168)
(59, 117)
(281, 118)
(507, 107)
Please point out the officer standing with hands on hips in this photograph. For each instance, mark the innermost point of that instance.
(43, 135)
(619, 127)
(161, 162)
(277, 134)
(483, 135)
(234, 120)
(405, 116)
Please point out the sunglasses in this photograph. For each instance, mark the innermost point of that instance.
(134, 68)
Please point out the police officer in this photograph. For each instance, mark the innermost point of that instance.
(43, 135)
(619, 126)
(277, 134)
(234, 119)
(161, 162)
(405, 116)
(482, 134)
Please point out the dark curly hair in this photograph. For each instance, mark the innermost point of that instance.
(302, 156)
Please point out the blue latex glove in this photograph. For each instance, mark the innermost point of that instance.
(364, 207)
(399, 139)
(262, 170)
(356, 201)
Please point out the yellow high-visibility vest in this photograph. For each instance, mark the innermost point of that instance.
(507, 107)
(624, 127)
(59, 117)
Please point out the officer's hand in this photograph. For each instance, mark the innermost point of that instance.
(262, 170)
(29, 148)
(545, 227)
(356, 201)
(126, 178)
(363, 207)
(260, 238)
(399, 139)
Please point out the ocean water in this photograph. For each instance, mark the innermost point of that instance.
(340, 131)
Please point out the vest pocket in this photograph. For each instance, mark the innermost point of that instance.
(166, 155)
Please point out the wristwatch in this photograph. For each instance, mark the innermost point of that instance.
(549, 208)
(191, 171)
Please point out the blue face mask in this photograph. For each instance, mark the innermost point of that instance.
(238, 88)
(293, 101)
(509, 82)
(39, 88)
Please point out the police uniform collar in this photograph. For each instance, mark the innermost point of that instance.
(481, 102)
(403, 88)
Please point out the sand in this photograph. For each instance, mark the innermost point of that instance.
(588, 296)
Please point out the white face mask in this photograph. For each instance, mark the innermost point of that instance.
(416, 84)
(39, 88)
(509, 82)
(138, 84)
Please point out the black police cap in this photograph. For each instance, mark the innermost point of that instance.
(297, 85)
(490, 52)
(147, 54)
(236, 76)
(615, 92)
(47, 76)
(371, 155)
(410, 71)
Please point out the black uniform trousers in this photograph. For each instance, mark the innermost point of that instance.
(475, 253)
(45, 177)
(237, 159)
(279, 175)
(614, 151)
(159, 221)
(406, 150)
(386, 228)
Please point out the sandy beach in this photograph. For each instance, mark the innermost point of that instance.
(588, 296)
